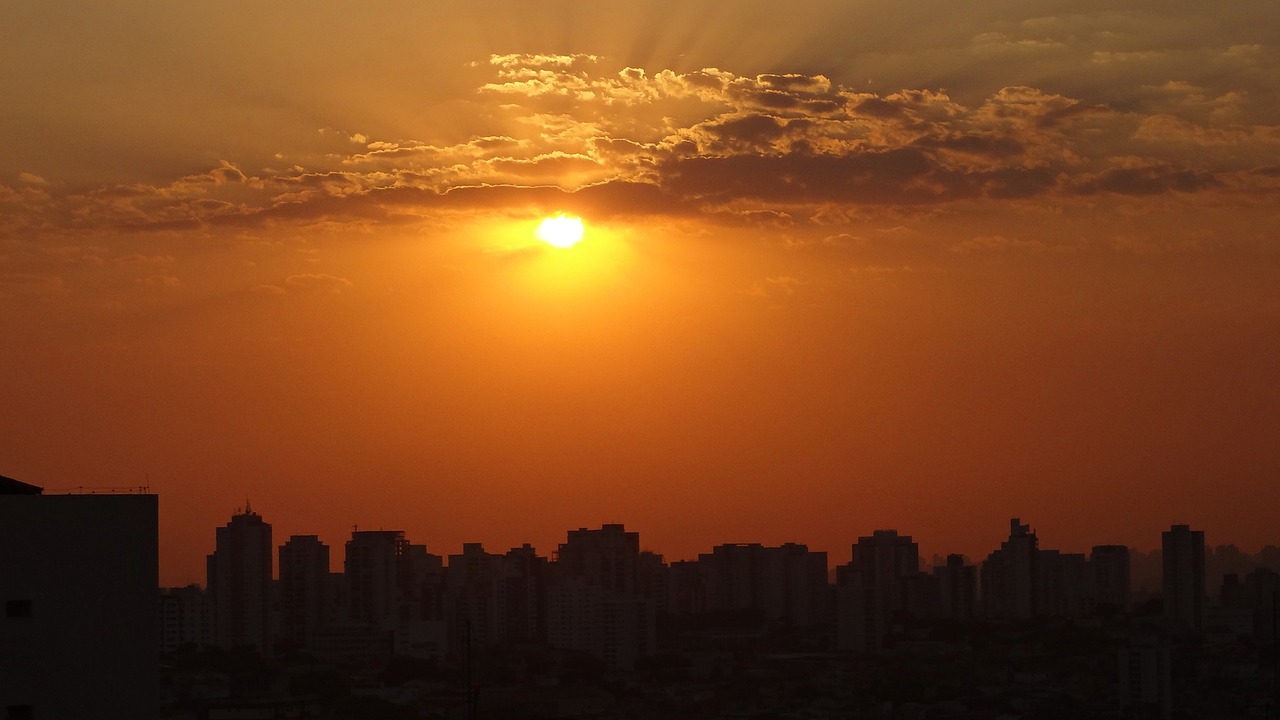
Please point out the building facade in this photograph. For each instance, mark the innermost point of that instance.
(78, 597)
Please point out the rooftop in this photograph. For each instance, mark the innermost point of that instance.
(9, 486)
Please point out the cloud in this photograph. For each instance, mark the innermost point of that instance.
(765, 148)
(317, 282)
(773, 287)
(1144, 180)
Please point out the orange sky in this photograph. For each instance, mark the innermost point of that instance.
(848, 265)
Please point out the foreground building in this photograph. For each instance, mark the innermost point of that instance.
(79, 587)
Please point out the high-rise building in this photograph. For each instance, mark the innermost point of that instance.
(304, 587)
(593, 603)
(1146, 679)
(798, 576)
(1064, 584)
(883, 561)
(187, 616)
(476, 598)
(957, 588)
(1184, 581)
(1110, 564)
(526, 575)
(607, 557)
(787, 583)
(78, 599)
(872, 589)
(239, 580)
(686, 588)
(372, 572)
(1009, 576)
(732, 576)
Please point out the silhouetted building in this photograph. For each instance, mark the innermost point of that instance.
(593, 603)
(874, 589)
(607, 557)
(1184, 581)
(1064, 584)
(394, 590)
(686, 588)
(1009, 576)
(884, 560)
(1261, 594)
(1146, 679)
(372, 573)
(477, 598)
(304, 586)
(526, 579)
(802, 598)
(1110, 565)
(787, 583)
(79, 587)
(187, 616)
(651, 581)
(860, 626)
(957, 588)
(239, 580)
(733, 577)
(421, 630)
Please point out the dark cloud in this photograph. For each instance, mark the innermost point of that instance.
(973, 144)
(1150, 180)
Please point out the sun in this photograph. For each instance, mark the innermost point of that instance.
(562, 231)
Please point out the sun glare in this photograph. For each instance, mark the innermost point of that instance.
(562, 231)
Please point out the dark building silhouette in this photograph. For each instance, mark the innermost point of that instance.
(78, 598)
(477, 598)
(873, 589)
(593, 603)
(957, 588)
(372, 573)
(526, 580)
(1261, 593)
(1146, 679)
(1009, 576)
(393, 593)
(304, 588)
(1111, 581)
(1184, 581)
(239, 580)
(686, 588)
(1063, 584)
(884, 560)
(187, 616)
(787, 583)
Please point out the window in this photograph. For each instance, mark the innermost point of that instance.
(17, 609)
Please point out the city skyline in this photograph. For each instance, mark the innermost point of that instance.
(844, 265)
(837, 557)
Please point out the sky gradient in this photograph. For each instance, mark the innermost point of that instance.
(847, 265)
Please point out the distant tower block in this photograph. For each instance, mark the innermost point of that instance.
(1184, 582)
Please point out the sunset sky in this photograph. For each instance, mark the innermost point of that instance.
(847, 265)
